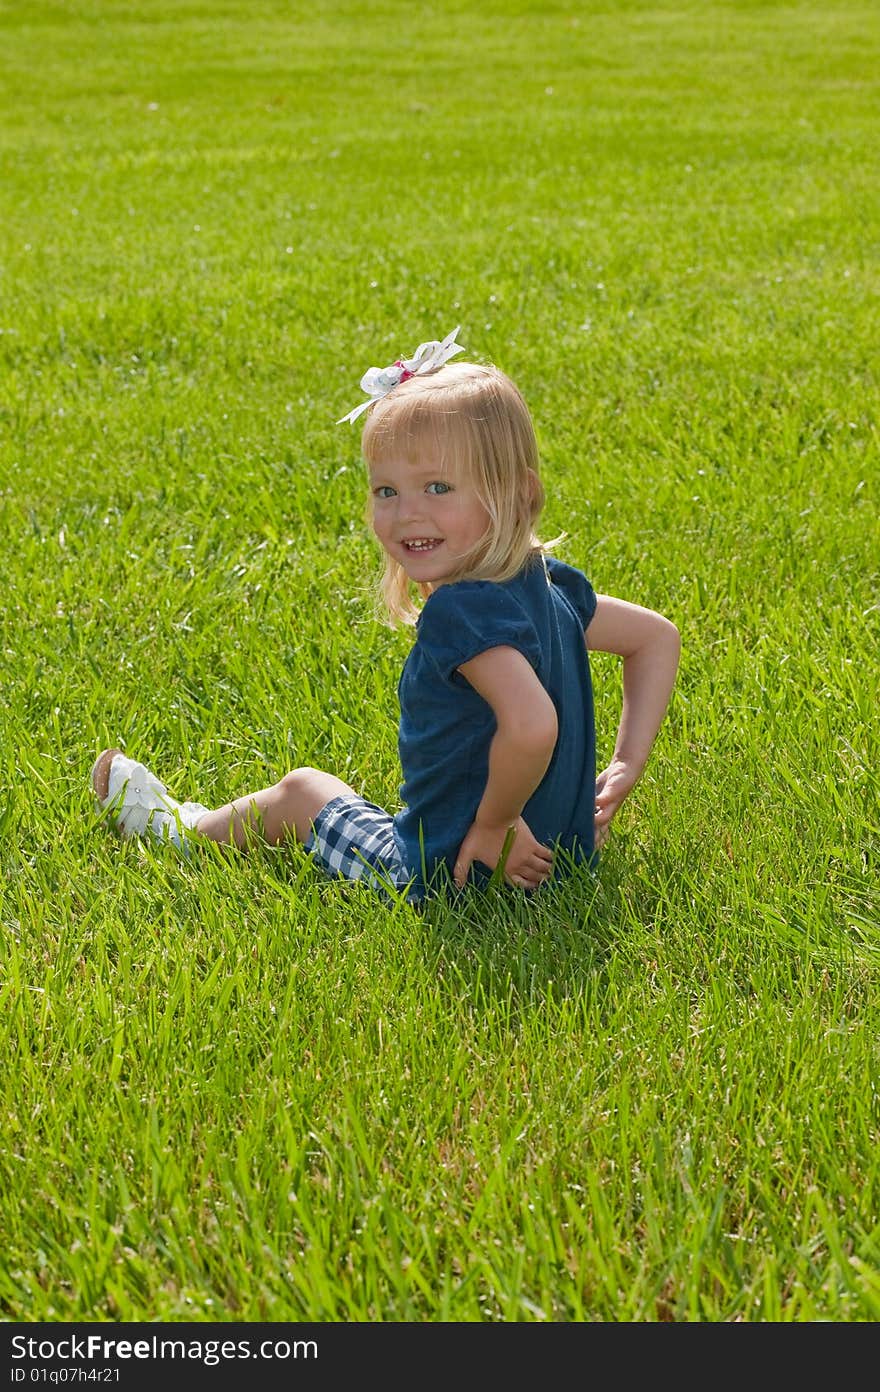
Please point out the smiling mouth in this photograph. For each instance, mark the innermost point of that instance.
(421, 544)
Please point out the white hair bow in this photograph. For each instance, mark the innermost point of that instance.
(379, 381)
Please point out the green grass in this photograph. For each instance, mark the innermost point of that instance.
(231, 1089)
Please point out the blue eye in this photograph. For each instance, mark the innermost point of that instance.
(437, 488)
(383, 491)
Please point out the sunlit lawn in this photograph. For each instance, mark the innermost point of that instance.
(233, 1090)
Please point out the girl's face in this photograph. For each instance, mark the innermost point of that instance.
(426, 517)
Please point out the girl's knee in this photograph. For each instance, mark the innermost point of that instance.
(304, 791)
(298, 781)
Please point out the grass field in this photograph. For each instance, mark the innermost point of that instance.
(232, 1090)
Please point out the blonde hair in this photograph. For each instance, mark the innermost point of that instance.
(473, 418)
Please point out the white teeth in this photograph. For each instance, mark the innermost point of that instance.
(422, 544)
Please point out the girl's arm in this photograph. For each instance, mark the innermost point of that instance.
(519, 755)
(650, 646)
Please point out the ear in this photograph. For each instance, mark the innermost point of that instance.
(536, 494)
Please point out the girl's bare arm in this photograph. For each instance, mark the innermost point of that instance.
(519, 755)
(650, 646)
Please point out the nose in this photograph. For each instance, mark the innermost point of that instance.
(409, 506)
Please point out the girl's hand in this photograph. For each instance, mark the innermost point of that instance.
(529, 863)
(613, 787)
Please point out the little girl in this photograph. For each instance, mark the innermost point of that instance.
(496, 730)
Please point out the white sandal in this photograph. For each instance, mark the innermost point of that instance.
(137, 804)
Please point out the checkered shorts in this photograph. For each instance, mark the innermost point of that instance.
(354, 840)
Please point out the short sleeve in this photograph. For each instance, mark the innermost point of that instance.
(462, 620)
(576, 588)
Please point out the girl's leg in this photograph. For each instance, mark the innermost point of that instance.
(142, 806)
(286, 809)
